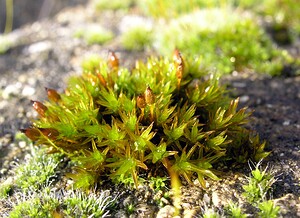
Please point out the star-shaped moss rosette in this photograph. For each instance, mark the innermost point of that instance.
(163, 117)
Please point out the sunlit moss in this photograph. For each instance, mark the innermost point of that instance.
(52, 203)
(185, 126)
(95, 35)
(35, 207)
(112, 4)
(6, 188)
(282, 17)
(227, 40)
(137, 38)
(39, 170)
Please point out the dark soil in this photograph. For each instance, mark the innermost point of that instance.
(276, 117)
(46, 53)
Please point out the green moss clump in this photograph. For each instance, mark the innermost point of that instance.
(163, 117)
(137, 38)
(5, 189)
(226, 39)
(281, 16)
(79, 204)
(35, 207)
(95, 35)
(53, 203)
(268, 209)
(259, 186)
(39, 170)
(113, 4)
(174, 8)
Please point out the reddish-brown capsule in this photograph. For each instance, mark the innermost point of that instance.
(179, 71)
(149, 96)
(179, 64)
(39, 107)
(113, 60)
(53, 95)
(177, 58)
(140, 101)
(49, 132)
(102, 79)
(32, 134)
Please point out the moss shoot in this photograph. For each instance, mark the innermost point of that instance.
(164, 117)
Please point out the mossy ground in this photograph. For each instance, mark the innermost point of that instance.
(275, 101)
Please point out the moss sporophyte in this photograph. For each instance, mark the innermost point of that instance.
(164, 117)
